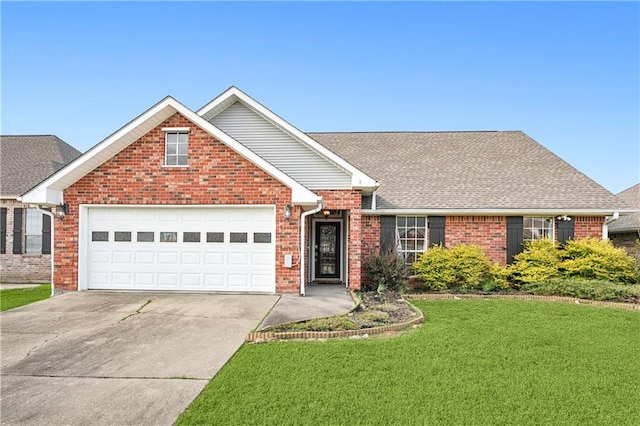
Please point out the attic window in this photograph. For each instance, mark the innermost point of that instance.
(176, 146)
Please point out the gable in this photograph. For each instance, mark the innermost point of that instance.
(50, 191)
(280, 148)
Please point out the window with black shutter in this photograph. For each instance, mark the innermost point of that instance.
(17, 230)
(565, 230)
(387, 233)
(3, 230)
(514, 236)
(436, 231)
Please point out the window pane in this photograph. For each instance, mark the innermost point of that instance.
(238, 237)
(145, 237)
(182, 149)
(215, 237)
(33, 224)
(261, 237)
(172, 138)
(183, 138)
(168, 237)
(99, 236)
(171, 160)
(421, 221)
(191, 237)
(401, 221)
(171, 149)
(411, 221)
(33, 244)
(182, 160)
(122, 236)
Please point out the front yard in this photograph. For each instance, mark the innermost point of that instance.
(472, 362)
(15, 297)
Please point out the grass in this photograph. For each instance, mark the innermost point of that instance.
(12, 298)
(474, 362)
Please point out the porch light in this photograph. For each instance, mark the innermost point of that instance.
(326, 213)
(62, 210)
(287, 212)
(564, 218)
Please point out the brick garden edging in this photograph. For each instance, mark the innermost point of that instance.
(441, 296)
(265, 336)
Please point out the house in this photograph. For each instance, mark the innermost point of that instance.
(231, 197)
(625, 232)
(25, 234)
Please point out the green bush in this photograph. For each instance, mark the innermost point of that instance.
(585, 289)
(592, 258)
(539, 261)
(461, 267)
(387, 272)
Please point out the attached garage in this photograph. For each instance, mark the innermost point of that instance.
(221, 249)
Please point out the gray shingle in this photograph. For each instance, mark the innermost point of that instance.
(27, 160)
(467, 170)
(631, 196)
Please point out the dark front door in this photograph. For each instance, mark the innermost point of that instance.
(327, 250)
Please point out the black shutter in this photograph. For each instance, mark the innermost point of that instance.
(46, 234)
(387, 233)
(17, 230)
(3, 230)
(436, 231)
(565, 231)
(514, 236)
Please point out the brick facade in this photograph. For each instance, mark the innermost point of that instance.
(627, 241)
(19, 268)
(216, 175)
(588, 226)
(488, 232)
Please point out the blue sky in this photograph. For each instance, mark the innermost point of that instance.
(567, 74)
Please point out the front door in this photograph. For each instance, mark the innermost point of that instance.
(327, 250)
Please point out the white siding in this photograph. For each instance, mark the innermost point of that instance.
(280, 149)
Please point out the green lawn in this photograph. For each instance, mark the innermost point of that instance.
(12, 298)
(483, 362)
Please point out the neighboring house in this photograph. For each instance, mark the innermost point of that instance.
(25, 234)
(233, 198)
(625, 232)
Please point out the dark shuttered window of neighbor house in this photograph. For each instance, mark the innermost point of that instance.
(387, 233)
(17, 230)
(436, 231)
(515, 226)
(46, 234)
(3, 230)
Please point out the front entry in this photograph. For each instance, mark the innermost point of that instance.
(327, 250)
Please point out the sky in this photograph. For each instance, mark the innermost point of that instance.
(567, 74)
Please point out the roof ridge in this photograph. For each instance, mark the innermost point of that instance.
(421, 131)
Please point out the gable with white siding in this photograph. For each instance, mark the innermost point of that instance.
(279, 148)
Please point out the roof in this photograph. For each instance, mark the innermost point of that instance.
(26, 160)
(632, 222)
(469, 171)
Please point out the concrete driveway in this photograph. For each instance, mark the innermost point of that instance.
(118, 358)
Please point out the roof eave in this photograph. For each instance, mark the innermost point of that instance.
(496, 212)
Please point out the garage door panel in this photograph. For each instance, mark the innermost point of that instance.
(181, 248)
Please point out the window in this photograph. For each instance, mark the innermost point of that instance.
(168, 237)
(411, 234)
(238, 237)
(122, 236)
(262, 237)
(191, 237)
(535, 228)
(176, 146)
(145, 237)
(215, 237)
(99, 236)
(33, 232)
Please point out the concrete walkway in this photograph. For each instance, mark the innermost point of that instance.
(321, 300)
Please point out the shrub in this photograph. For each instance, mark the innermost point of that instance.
(460, 267)
(592, 258)
(585, 289)
(387, 272)
(539, 261)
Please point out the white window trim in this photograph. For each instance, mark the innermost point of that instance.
(166, 130)
(27, 234)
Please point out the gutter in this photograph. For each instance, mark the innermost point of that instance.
(303, 218)
(605, 225)
(53, 243)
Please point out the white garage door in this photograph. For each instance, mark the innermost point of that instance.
(177, 248)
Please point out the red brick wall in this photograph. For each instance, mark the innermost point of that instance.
(216, 175)
(488, 232)
(588, 226)
(370, 240)
(351, 201)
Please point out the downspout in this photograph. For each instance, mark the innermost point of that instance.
(605, 225)
(53, 240)
(303, 218)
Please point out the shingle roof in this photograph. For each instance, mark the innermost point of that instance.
(467, 170)
(632, 222)
(25, 161)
